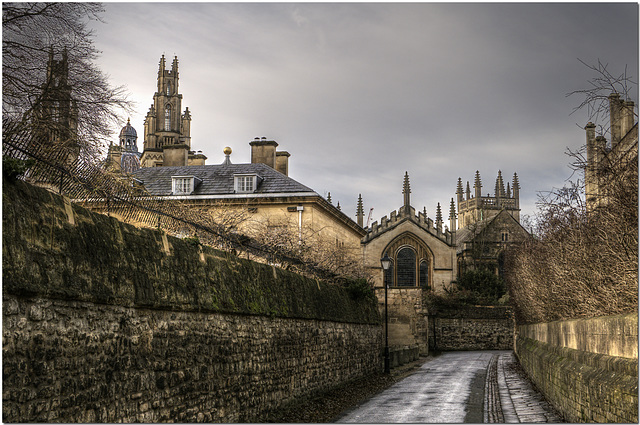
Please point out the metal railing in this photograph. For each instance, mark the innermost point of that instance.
(90, 182)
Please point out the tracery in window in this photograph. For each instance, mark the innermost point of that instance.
(167, 118)
(406, 272)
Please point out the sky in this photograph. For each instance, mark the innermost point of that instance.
(360, 93)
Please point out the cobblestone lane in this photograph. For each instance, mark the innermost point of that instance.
(457, 387)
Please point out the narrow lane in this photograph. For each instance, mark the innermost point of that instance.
(447, 389)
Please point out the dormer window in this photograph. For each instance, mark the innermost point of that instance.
(245, 183)
(184, 185)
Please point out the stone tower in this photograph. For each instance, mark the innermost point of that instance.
(125, 156)
(167, 132)
(55, 115)
(474, 209)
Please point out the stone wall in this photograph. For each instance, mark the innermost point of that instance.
(472, 328)
(587, 368)
(408, 319)
(105, 322)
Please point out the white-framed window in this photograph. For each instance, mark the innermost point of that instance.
(245, 183)
(182, 185)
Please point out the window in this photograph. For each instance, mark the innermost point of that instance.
(245, 183)
(505, 236)
(182, 185)
(406, 272)
(169, 88)
(167, 118)
(424, 274)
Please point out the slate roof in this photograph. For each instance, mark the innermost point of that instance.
(218, 179)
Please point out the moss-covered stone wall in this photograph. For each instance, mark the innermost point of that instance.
(585, 386)
(103, 321)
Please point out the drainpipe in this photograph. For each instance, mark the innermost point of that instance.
(300, 208)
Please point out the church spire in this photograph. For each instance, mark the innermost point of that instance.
(406, 191)
(360, 211)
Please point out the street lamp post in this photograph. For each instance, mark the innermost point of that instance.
(386, 262)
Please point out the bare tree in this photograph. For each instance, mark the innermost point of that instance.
(34, 31)
(583, 261)
(596, 95)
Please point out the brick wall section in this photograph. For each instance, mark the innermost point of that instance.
(472, 328)
(104, 322)
(585, 387)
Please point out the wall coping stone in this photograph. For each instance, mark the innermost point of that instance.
(615, 335)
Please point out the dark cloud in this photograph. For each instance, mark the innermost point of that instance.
(360, 93)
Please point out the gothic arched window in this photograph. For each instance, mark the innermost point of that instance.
(169, 88)
(167, 118)
(424, 274)
(406, 264)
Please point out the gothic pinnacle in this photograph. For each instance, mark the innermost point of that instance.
(499, 189)
(360, 211)
(406, 190)
(478, 182)
(516, 185)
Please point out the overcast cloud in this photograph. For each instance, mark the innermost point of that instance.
(359, 93)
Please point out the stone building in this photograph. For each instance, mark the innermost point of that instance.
(55, 117)
(605, 161)
(488, 224)
(124, 157)
(427, 258)
(167, 132)
(256, 198)
(422, 259)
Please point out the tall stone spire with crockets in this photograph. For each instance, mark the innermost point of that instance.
(478, 187)
(360, 211)
(459, 190)
(452, 214)
(406, 191)
(439, 218)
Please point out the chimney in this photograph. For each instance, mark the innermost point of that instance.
(615, 116)
(263, 151)
(627, 118)
(282, 162)
(175, 155)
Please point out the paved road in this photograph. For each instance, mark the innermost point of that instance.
(457, 387)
